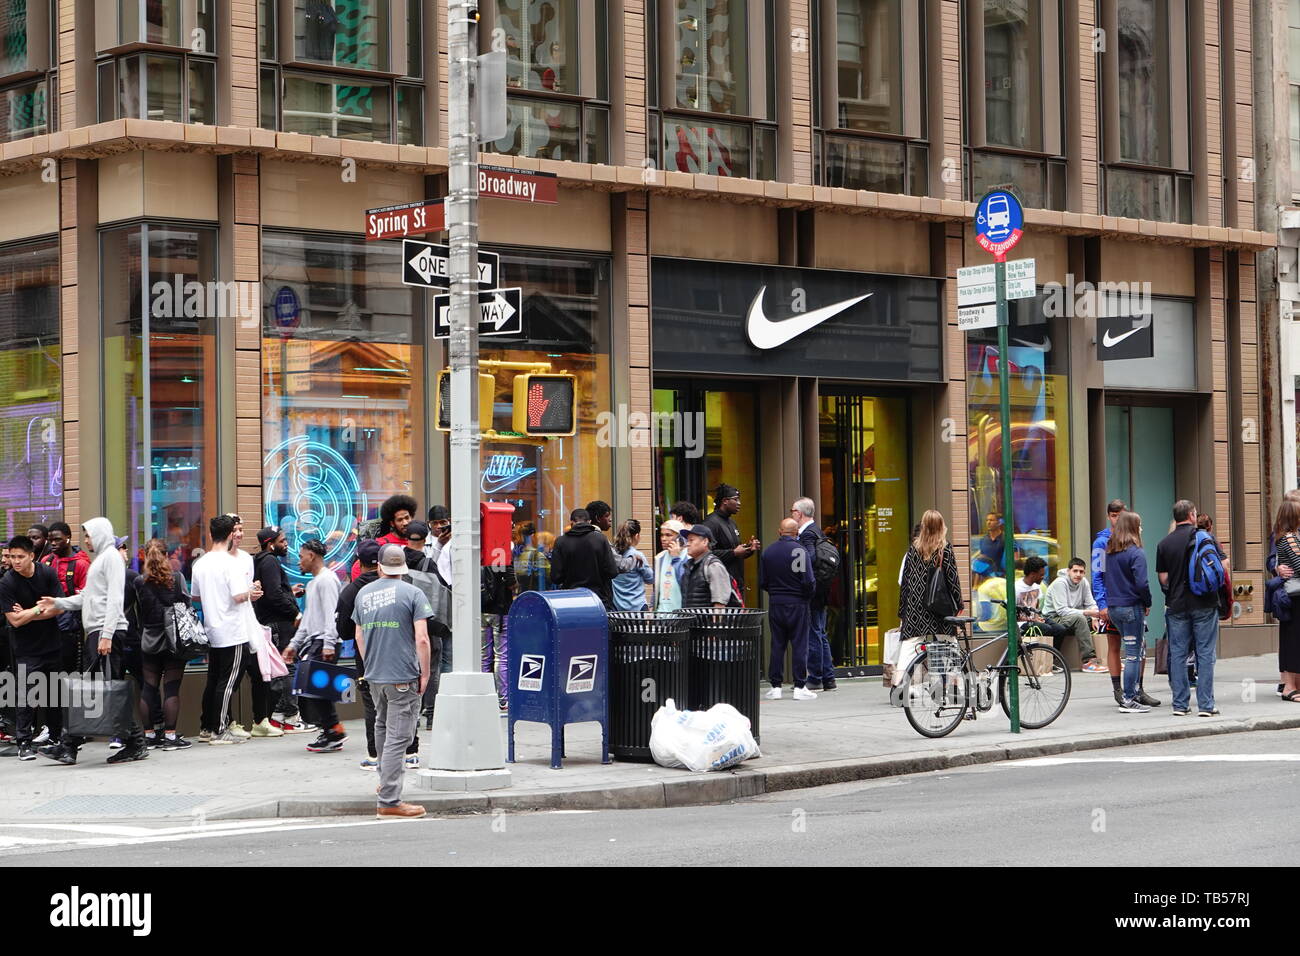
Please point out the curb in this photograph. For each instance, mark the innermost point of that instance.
(706, 789)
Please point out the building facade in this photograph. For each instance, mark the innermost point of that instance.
(197, 324)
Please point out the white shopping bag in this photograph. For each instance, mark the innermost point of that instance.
(701, 740)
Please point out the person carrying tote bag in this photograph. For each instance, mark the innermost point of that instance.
(929, 572)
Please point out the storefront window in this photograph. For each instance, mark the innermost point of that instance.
(161, 307)
(31, 404)
(341, 410)
(1039, 444)
(542, 128)
(566, 300)
(345, 33)
(24, 111)
(541, 38)
(710, 58)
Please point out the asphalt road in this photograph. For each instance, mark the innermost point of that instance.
(1204, 802)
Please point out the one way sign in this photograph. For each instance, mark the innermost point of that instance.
(427, 265)
(500, 313)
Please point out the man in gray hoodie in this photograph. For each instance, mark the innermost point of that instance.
(1069, 604)
(103, 618)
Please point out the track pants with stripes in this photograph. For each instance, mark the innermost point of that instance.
(226, 665)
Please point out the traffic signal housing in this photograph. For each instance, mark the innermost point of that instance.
(545, 404)
(487, 385)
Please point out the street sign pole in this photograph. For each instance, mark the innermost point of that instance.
(1009, 552)
(467, 743)
(999, 225)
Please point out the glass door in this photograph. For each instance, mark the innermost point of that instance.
(865, 510)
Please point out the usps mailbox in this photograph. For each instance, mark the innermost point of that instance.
(559, 654)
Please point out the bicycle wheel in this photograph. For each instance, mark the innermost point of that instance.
(935, 702)
(1044, 686)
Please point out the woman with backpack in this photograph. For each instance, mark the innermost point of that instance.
(1128, 595)
(925, 601)
(157, 589)
(1286, 534)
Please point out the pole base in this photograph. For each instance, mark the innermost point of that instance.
(461, 780)
(467, 733)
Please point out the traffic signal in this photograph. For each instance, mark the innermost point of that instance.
(544, 404)
(487, 385)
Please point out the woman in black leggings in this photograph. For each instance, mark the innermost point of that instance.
(158, 588)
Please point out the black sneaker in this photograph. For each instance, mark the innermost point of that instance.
(828, 684)
(26, 752)
(59, 753)
(1146, 699)
(1119, 696)
(153, 741)
(813, 684)
(133, 750)
(328, 742)
(176, 743)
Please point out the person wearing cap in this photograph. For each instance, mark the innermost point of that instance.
(668, 588)
(368, 559)
(726, 536)
(392, 635)
(704, 578)
(278, 610)
(584, 558)
(317, 638)
(439, 531)
(422, 572)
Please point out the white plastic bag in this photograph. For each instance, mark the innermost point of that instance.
(701, 740)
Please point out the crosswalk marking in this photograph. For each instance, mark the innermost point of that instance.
(1180, 758)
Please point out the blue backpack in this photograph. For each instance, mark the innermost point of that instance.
(1205, 574)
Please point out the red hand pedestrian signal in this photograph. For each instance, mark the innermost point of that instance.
(544, 404)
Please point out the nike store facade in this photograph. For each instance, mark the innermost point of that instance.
(811, 379)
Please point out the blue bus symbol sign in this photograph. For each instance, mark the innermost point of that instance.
(999, 222)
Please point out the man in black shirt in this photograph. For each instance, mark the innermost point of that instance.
(278, 610)
(37, 643)
(726, 537)
(1191, 620)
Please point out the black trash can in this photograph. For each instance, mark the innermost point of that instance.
(644, 646)
(726, 659)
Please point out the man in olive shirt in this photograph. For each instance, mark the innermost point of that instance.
(392, 636)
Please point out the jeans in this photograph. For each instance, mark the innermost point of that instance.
(397, 709)
(821, 666)
(1130, 622)
(1195, 632)
(495, 653)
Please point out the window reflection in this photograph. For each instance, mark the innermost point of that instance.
(1144, 81)
(868, 41)
(31, 405)
(541, 38)
(345, 33)
(1013, 74)
(710, 57)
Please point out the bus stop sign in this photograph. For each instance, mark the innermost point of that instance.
(999, 222)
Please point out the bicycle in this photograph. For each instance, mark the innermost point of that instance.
(942, 688)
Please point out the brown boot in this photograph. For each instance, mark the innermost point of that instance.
(411, 810)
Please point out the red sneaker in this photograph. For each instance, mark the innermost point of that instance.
(291, 726)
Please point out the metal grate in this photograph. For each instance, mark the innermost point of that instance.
(121, 804)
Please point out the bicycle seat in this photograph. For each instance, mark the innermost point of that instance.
(961, 620)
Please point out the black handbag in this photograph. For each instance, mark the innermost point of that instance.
(95, 705)
(153, 640)
(186, 638)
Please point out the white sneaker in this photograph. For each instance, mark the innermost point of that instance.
(224, 739)
(1133, 707)
(773, 694)
(803, 693)
(44, 736)
(265, 729)
(238, 731)
(410, 762)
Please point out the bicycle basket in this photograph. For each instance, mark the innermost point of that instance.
(942, 657)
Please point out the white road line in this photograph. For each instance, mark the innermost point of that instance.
(175, 835)
(1186, 758)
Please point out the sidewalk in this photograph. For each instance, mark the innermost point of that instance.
(849, 734)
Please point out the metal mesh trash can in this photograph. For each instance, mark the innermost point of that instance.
(649, 655)
(726, 659)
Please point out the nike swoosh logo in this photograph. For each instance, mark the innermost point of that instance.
(1045, 345)
(1110, 341)
(491, 486)
(765, 334)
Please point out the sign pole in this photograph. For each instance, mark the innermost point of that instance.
(1009, 548)
(467, 741)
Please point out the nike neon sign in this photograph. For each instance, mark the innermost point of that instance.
(503, 472)
(765, 333)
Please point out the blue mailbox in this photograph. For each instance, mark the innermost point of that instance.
(559, 655)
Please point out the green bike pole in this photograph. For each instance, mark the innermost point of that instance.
(1009, 553)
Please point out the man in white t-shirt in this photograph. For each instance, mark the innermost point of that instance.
(220, 586)
(259, 688)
